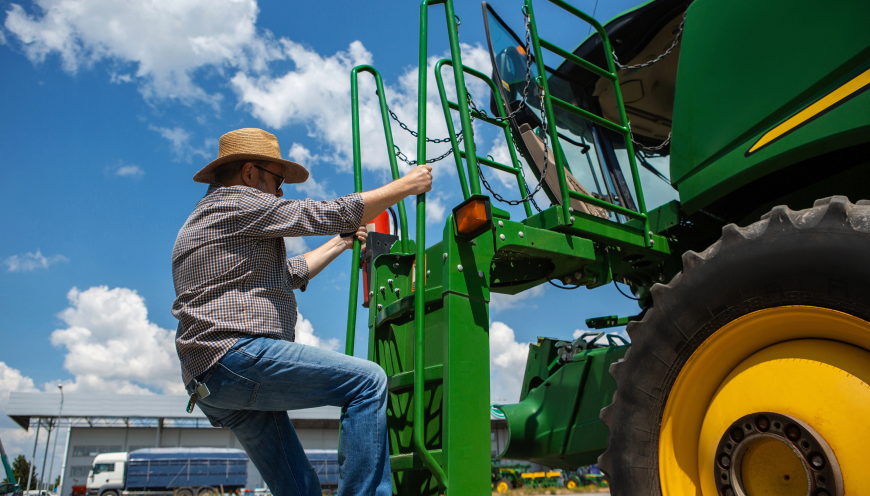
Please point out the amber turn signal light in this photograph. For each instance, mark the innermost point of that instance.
(472, 217)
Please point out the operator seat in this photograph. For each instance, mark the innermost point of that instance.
(535, 145)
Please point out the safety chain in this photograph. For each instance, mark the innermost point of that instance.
(414, 133)
(525, 182)
(652, 148)
(404, 158)
(647, 64)
(531, 194)
(660, 57)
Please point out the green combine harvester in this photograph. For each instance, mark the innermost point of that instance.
(714, 156)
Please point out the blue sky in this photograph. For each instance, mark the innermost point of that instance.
(111, 108)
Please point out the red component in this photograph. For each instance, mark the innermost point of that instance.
(364, 266)
(380, 224)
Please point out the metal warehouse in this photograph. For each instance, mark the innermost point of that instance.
(91, 424)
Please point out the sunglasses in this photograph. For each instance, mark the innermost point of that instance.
(280, 178)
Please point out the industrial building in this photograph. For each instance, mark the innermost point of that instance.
(90, 424)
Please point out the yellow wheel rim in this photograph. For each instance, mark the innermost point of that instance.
(809, 363)
(571, 484)
(502, 487)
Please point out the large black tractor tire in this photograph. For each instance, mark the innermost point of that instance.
(816, 258)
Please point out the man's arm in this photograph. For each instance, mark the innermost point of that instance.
(320, 257)
(415, 182)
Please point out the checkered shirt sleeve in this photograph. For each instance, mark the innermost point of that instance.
(231, 272)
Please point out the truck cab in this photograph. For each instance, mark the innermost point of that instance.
(107, 474)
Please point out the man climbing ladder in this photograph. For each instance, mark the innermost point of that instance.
(237, 313)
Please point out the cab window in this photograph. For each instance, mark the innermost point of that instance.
(104, 467)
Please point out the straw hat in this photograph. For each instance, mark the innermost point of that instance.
(251, 144)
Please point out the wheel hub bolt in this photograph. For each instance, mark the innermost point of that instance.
(725, 461)
(792, 432)
(818, 461)
(762, 423)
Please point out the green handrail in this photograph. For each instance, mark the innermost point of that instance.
(622, 128)
(446, 104)
(357, 182)
(420, 267)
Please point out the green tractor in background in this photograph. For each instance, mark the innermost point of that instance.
(721, 170)
(507, 477)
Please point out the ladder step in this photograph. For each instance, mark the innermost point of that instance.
(405, 380)
(404, 307)
(411, 461)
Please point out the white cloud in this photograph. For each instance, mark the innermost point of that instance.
(507, 363)
(15, 439)
(499, 302)
(129, 171)
(116, 78)
(32, 261)
(316, 94)
(12, 380)
(177, 136)
(161, 44)
(113, 347)
(311, 188)
(305, 335)
(435, 209)
(179, 140)
(165, 47)
(295, 246)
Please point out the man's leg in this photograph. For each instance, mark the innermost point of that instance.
(271, 442)
(269, 375)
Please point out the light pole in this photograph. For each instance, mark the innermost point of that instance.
(33, 458)
(41, 484)
(56, 435)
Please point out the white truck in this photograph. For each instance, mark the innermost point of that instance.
(107, 474)
(168, 471)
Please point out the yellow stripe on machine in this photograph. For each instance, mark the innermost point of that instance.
(814, 110)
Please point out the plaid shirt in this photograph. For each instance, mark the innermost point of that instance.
(231, 272)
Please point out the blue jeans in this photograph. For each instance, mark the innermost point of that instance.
(259, 379)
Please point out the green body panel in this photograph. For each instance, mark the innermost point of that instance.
(556, 422)
(746, 66)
